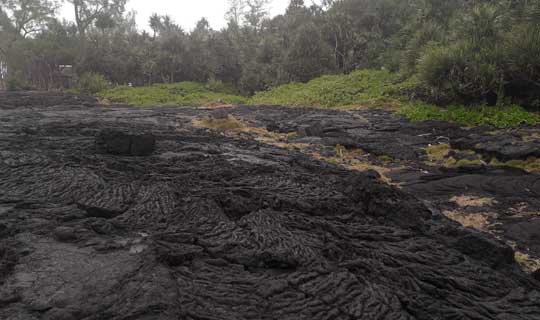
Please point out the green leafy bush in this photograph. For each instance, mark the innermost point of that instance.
(493, 59)
(365, 87)
(461, 72)
(497, 116)
(522, 65)
(92, 83)
(176, 94)
(428, 34)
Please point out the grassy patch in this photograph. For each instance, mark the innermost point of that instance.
(383, 89)
(443, 155)
(532, 164)
(500, 117)
(528, 263)
(438, 152)
(369, 88)
(385, 159)
(176, 94)
(357, 90)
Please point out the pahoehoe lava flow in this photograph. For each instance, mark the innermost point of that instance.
(209, 226)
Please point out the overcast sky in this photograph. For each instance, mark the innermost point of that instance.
(185, 12)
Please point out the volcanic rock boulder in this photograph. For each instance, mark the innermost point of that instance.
(503, 148)
(125, 144)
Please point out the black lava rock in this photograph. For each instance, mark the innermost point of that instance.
(220, 114)
(65, 234)
(536, 275)
(125, 144)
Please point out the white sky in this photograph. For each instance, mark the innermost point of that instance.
(184, 12)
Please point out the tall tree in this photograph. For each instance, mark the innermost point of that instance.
(29, 16)
(236, 11)
(256, 11)
(88, 11)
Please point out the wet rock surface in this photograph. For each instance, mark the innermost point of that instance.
(214, 226)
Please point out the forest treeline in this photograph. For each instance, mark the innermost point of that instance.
(453, 50)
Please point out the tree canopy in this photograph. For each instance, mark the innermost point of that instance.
(456, 49)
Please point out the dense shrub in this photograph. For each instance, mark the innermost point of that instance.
(522, 65)
(493, 60)
(462, 72)
(428, 34)
(92, 83)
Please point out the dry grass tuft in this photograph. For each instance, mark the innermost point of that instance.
(348, 154)
(438, 152)
(526, 262)
(234, 127)
(355, 159)
(104, 102)
(535, 136)
(352, 159)
(472, 201)
(476, 220)
(532, 164)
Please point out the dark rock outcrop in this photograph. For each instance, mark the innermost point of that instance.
(502, 148)
(215, 227)
(125, 144)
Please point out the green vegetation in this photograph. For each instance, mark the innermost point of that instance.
(498, 116)
(491, 56)
(364, 88)
(360, 88)
(384, 89)
(459, 53)
(177, 94)
(444, 155)
(532, 164)
(92, 83)
(440, 154)
(463, 52)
